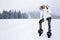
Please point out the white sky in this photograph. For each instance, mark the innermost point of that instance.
(29, 5)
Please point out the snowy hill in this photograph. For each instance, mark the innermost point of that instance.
(36, 15)
(26, 29)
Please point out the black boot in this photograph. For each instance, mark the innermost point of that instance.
(40, 31)
(49, 34)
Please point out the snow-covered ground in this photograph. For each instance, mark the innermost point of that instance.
(26, 29)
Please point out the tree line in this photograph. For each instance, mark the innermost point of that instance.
(13, 15)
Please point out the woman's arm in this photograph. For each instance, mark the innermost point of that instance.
(41, 15)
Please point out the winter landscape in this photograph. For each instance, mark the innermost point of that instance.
(19, 20)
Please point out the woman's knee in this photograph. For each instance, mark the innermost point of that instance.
(49, 18)
(42, 20)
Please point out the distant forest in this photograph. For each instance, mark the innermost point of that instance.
(18, 15)
(13, 15)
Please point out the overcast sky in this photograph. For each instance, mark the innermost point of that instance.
(29, 5)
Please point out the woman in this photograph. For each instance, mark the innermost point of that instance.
(45, 16)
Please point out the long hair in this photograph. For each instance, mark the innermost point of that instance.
(42, 7)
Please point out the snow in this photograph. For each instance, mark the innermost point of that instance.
(26, 29)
